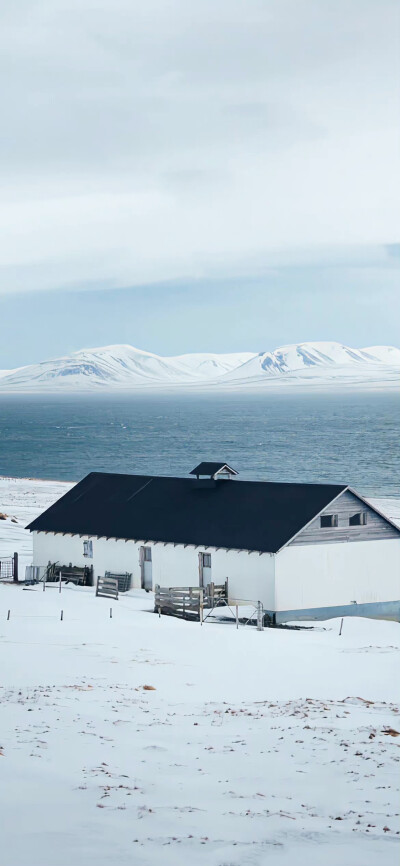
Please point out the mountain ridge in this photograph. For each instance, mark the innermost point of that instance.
(125, 367)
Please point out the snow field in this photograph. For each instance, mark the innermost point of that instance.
(249, 748)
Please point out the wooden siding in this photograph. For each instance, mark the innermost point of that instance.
(345, 506)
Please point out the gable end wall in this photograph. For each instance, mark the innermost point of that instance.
(344, 506)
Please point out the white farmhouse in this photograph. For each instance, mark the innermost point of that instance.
(308, 551)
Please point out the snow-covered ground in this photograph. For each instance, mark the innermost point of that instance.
(146, 740)
(21, 500)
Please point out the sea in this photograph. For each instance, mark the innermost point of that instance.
(348, 437)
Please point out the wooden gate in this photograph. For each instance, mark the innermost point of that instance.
(107, 587)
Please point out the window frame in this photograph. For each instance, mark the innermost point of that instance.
(333, 521)
(363, 518)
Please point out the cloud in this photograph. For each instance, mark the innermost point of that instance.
(157, 141)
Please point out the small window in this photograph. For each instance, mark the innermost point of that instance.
(359, 519)
(88, 548)
(206, 560)
(147, 554)
(329, 520)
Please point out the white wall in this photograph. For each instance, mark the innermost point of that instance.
(175, 566)
(250, 576)
(324, 575)
(108, 555)
(58, 548)
(117, 555)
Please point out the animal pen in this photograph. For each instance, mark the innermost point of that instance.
(199, 604)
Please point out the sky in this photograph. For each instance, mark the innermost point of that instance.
(198, 176)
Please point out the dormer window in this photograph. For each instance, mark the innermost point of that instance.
(358, 519)
(327, 520)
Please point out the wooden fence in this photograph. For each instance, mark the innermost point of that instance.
(107, 587)
(80, 575)
(188, 602)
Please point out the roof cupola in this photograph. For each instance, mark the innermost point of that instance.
(215, 471)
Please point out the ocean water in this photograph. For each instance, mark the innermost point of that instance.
(348, 437)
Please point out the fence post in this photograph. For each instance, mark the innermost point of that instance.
(201, 605)
(260, 616)
(59, 588)
(8, 614)
(44, 579)
(237, 615)
(211, 586)
(15, 567)
(62, 615)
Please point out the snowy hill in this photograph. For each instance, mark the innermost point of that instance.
(125, 367)
(320, 362)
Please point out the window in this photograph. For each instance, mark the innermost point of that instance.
(328, 520)
(358, 519)
(206, 560)
(88, 548)
(147, 554)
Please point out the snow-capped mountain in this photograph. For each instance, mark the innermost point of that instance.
(125, 367)
(311, 360)
(120, 366)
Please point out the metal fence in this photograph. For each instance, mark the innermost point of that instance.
(124, 580)
(9, 567)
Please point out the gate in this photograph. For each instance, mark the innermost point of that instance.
(107, 587)
(9, 568)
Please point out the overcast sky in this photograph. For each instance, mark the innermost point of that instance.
(235, 157)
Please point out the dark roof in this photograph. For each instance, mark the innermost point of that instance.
(249, 515)
(211, 468)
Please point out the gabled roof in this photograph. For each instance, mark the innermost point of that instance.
(249, 515)
(211, 469)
